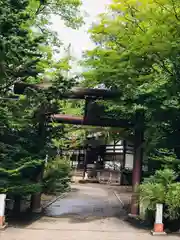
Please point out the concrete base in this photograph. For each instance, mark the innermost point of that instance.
(158, 233)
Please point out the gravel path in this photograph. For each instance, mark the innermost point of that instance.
(89, 212)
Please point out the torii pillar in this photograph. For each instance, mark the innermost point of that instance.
(137, 164)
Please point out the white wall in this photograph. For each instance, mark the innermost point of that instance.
(129, 161)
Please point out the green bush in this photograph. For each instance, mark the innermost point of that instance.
(21, 179)
(57, 175)
(172, 200)
(161, 188)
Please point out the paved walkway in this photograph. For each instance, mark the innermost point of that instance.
(89, 212)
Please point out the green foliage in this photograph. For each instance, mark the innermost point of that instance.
(137, 52)
(67, 10)
(163, 158)
(19, 56)
(11, 179)
(173, 201)
(19, 53)
(57, 175)
(151, 194)
(164, 177)
(27, 46)
(161, 188)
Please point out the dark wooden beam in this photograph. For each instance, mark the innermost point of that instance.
(20, 88)
(82, 93)
(74, 93)
(60, 118)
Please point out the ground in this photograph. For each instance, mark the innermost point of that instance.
(87, 212)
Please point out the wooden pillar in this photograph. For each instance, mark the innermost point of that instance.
(123, 163)
(85, 163)
(36, 203)
(88, 101)
(86, 106)
(36, 197)
(137, 166)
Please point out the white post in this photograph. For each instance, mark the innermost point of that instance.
(86, 176)
(2, 210)
(158, 225)
(110, 178)
(98, 176)
(159, 213)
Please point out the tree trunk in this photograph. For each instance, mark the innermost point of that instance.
(17, 204)
(36, 203)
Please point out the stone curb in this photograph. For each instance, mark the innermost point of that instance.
(119, 199)
(54, 200)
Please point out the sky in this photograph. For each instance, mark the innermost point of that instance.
(79, 39)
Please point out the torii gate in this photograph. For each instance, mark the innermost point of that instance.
(89, 95)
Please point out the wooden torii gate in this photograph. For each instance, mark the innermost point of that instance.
(89, 95)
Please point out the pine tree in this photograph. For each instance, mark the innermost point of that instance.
(24, 135)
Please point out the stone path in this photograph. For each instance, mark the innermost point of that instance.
(89, 212)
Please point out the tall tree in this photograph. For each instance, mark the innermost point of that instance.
(24, 136)
(137, 52)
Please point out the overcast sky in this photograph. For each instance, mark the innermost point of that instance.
(79, 39)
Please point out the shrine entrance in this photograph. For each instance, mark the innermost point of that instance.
(105, 162)
(94, 116)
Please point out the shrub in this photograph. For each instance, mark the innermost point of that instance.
(172, 200)
(151, 193)
(57, 175)
(161, 188)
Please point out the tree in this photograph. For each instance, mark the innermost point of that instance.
(25, 137)
(137, 52)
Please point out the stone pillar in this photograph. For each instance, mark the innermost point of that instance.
(2, 210)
